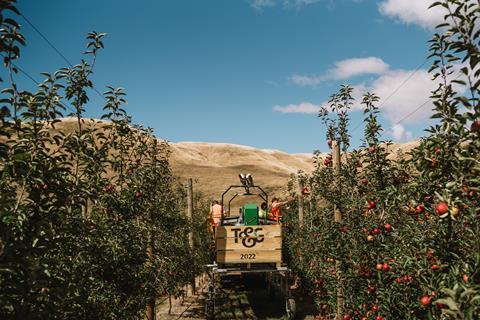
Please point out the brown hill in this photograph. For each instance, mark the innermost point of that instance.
(215, 166)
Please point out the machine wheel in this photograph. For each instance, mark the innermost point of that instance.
(291, 308)
(209, 309)
(210, 302)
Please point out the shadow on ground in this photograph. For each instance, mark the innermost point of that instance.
(247, 298)
(239, 298)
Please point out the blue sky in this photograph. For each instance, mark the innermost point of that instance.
(250, 72)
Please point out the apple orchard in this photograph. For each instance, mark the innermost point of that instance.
(407, 245)
(92, 221)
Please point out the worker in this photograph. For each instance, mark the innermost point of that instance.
(262, 212)
(275, 211)
(215, 213)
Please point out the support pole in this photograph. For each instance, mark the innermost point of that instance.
(150, 313)
(336, 169)
(300, 202)
(338, 218)
(190, 219)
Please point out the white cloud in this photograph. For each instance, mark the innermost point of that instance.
(305, 81)
(310, 108)
(404, 95)
(413, 12)
(304, 107)
(299, 3)
(409, 96)
(344, 69)
(260, 4)
(399, 133)
(358, 91)
(399, 98)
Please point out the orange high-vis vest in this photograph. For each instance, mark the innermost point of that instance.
(216, 213)
(276, 213)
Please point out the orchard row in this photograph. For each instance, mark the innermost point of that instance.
(92, 222)
(406, 246)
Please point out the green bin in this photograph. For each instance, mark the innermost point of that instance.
(250, 214)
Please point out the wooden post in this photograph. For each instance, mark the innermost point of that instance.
(190, 219)
(300, 202)
(338, 218)
(336, 169)
(151, 300)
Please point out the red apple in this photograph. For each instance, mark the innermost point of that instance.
(419, 209)
(305, 191)
(425, 300)
(441, 208)
(475, 126)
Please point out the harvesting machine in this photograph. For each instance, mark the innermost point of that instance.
(246, 243)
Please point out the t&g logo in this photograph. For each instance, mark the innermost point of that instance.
(250, 236)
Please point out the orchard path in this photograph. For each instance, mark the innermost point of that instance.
(238, 300)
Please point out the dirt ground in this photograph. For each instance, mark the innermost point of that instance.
(238, 299)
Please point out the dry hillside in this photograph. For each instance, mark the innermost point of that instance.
(215, 166)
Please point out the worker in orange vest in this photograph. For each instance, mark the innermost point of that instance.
(275, 211)
(215, 213)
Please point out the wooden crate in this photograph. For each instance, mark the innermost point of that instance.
(249, 244)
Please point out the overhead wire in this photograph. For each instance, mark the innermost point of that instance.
(412, 112)
(421, 106)
(25, 73)
(55, 48)
(395, 91)
(403, 83)
(46, 40)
